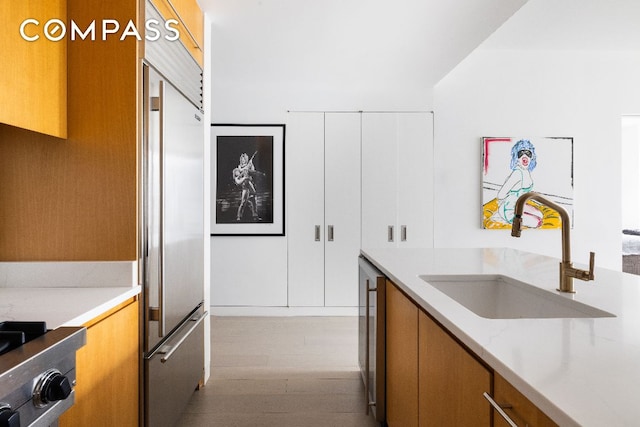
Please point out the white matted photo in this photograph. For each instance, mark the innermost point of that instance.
(247, 179)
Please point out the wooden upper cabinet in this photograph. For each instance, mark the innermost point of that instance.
(33, 80)
(76, 199)
(191, 27)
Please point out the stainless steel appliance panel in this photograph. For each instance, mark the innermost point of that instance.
(371, 332)
(37, 378)
(173, 248)
(174, 207)
(175, 370)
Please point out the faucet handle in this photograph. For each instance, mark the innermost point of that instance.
(592, 264)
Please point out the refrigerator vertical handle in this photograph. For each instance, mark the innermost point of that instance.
(161, 311)
(153, 103)
(157, 313)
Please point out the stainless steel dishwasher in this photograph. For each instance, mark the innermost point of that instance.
(371, 336)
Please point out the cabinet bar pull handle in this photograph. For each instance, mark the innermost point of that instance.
(330, 233)
(403, 233)
(366, 357)
(317, 233)
(390, 233)
(499, 409)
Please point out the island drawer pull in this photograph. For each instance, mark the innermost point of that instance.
(500, 410)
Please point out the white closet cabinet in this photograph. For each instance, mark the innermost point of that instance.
(397, 180)
(323, 199)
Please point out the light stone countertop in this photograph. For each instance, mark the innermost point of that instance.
(61, 306)
(65, 293)
(579, 371)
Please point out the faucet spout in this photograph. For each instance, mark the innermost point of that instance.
(567, 272)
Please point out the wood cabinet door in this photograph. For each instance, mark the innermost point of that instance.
(191, 24)
(402, 359)
(107, 372)
(33, 81)
(521, 410)
(452, 381)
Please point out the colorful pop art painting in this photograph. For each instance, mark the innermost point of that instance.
(514, 166)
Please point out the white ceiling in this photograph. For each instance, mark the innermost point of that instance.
(426, 38)
(571, 25)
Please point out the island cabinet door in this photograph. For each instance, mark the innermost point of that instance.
(402, 359)
(452, 381)
(517, 407)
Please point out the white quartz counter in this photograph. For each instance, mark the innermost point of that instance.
(579, 371)
(61, 306)
(64, 293)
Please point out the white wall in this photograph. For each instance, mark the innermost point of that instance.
(270, 56)
(538, 93)
(631, 172)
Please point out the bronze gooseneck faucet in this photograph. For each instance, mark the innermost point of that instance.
(567, 272)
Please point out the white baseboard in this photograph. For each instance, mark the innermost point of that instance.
(282, 311)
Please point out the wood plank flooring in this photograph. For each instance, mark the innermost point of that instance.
(281, 371)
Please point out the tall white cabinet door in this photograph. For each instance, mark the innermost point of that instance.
(305, 202)
(397, 180)
(415, 179)
(342, 208)
(379, 179)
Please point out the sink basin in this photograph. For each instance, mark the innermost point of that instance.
(500, 297)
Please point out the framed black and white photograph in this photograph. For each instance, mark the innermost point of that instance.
(247, 180)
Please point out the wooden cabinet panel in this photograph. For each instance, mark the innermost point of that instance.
(432, 380)
(188, 13)
(521, 410)
(33, 81)
(75, 199)
(107, 372)
(402, 359)
(452, 381)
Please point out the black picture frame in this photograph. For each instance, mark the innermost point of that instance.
(248, 179)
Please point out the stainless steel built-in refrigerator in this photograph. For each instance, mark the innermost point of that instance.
(173, 248)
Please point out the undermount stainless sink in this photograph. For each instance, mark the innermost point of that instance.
(495, 296)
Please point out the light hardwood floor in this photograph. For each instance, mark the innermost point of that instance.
(282, 371)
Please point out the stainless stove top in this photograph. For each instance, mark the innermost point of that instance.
(37, 377)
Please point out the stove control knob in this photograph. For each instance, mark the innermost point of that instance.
(51, 386)
(8, 418)
(59, 388)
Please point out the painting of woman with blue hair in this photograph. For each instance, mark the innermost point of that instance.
(523, 159)
(519, 181)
